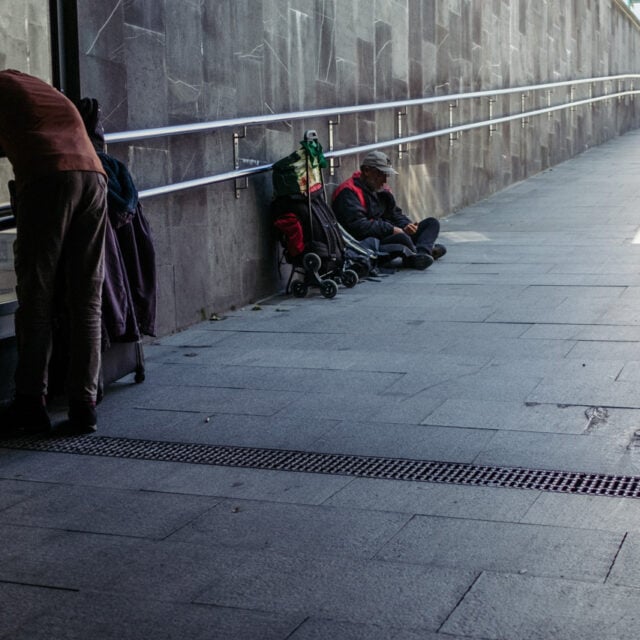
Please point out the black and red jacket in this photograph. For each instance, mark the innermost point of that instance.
(365, 213)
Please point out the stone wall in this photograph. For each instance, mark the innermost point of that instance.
(157, 62)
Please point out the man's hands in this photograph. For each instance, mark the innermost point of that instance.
(410, 229)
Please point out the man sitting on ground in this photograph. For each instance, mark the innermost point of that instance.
(366, 208)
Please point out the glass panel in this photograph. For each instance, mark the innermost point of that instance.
(25, 44)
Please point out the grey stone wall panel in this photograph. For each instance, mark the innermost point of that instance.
(184, 52)
(102, 29)
(147, 14)
(106, 81)
(146, 83)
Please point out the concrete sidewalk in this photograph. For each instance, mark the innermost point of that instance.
(520, 348)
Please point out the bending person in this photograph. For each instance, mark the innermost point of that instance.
(60, 207)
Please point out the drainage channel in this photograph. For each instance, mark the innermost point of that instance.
(337, 464)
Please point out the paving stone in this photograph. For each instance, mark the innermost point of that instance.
(404, 441)
(558, 452)
(20, 604)
(13, 491)
(88, 471)
(542, 313)
(583, 370)
(59, 559)
(215, 400)
(587, 392)
(344, 590)
(485, 384)
(543, 349)
(99, 510)
(252, 484)
(360, 407)
(169, 570)
(625, 569)
(620, 424)
(314, 629)
(389, 359)
(225, 429)
(413, 382)
(511, 416)
(429, 498)
(275, 378)
(542, 293)
(605, 350)
(196, 337)
(546, 608)
(67, 616)
(553, 332)
(138, 423)
(293, 528)
(576, 554)
(587, 512)
(630, 372)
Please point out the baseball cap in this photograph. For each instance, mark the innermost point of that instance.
(379, 160)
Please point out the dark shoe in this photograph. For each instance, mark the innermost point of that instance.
(419, 261)
(438, 251)
(391, 262)
(82, 419)
(25, 416)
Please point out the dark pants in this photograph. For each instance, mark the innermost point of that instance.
(60, 223)
(421, 241)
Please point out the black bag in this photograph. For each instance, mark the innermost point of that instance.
(320, 229)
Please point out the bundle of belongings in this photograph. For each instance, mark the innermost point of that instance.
(320, 251)
(129, 289)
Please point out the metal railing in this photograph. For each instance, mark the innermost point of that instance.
(624, 87)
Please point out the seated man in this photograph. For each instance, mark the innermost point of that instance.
(366, 208)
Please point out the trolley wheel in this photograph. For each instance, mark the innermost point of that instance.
(312, 261)
(299, 289)
(328, 289)
(349, 278)
(139, 377)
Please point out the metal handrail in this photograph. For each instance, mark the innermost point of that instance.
(131, 136)
(202, 127)
(243, 173)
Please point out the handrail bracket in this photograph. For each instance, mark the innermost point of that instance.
(523, 108)
(492, 127)
(333, 165)
(239, 186)
(401, 116)
(454, 135)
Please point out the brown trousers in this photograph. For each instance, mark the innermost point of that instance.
(60, 234)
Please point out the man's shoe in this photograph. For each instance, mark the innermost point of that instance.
(82, 419)
(391, 262)
(438, 251)
(419, 261)
(25, 416)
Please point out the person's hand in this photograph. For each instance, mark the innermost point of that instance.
(397, 230)
(411, 228)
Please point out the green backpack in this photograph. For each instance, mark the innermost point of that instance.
(300, 172)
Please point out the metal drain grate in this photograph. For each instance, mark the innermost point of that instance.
(338, 464)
